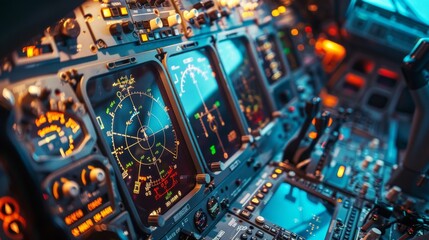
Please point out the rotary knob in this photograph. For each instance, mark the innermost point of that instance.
(70, 28)
(70, 189)
(191, 14)
(172, 20)
(156, 220)
(97, 175)
(153, 24)
(128, 27)
(116, 29)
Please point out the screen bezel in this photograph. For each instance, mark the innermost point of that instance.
(196, 194)
(212, 55)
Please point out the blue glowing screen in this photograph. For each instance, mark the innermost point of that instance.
(299, 212)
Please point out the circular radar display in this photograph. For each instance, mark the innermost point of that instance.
(142, 137)
(55, 134)
(137, 125)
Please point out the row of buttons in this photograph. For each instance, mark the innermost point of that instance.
(145, 37)
(249, 232)
(114, 12)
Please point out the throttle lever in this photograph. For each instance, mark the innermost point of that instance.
(311, 109)
(415, 164)
(321, 123)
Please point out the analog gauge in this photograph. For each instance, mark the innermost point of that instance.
(55, 134)
(137, 124)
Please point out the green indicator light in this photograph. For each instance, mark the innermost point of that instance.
(286, 51)
(217, 103)
(107, 110)
(112, 103)
(213, 149)
(197, 116)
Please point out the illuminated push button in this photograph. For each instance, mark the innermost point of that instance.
(255, 201)
(268, 185)
(70, 189)
(172, 20)
(106, 12)
(97, 175)
(123, 11)
(156, 220)
(251, 208)
(260, 195)
(274, 176)
(366, 161)
(191, 14)
(278, 171)
(260, 220)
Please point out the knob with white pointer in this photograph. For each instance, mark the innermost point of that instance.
(97, 175)
(191, 14)
(153, 24)
(172, 20)
(70, 189)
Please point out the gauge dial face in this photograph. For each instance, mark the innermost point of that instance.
(138, 127)
(205, 104)
(241, 71)
(55, 134)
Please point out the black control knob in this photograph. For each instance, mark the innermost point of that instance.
(213, 207)
(70, 28)
(214, 15)
(200, 220)
(202, 18)
(128, 27)
(116, 29)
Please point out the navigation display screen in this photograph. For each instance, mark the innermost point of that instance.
(142, 134)
(302, 213)
(243, 75)
(205, 104)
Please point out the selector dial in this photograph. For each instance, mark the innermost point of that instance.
(70, 189)
(213, 207)
(70, 28)
(97, 175)
(200, 220)
(191, 14)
